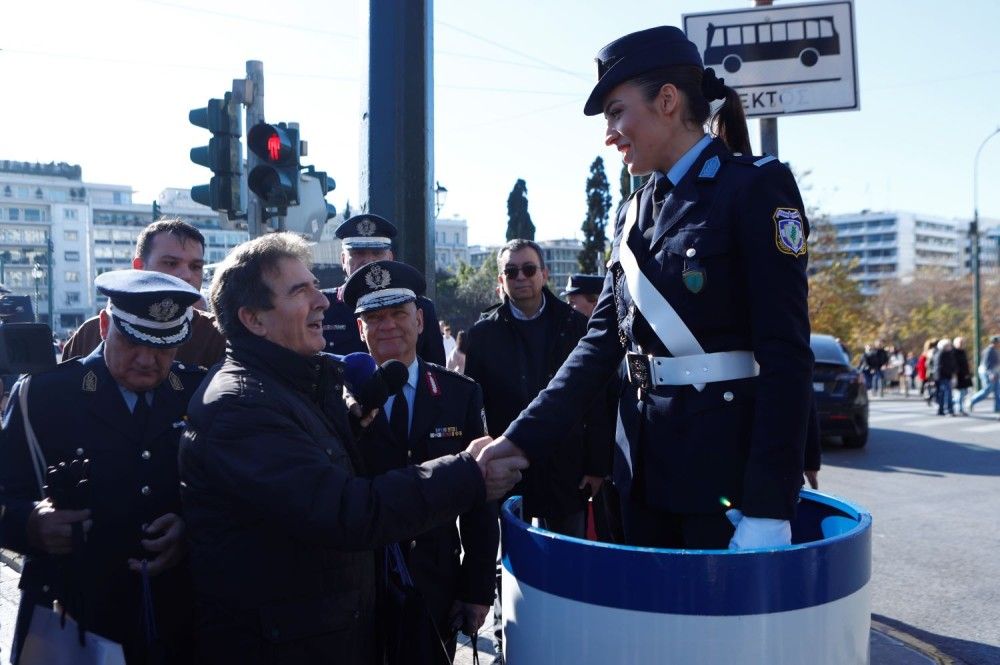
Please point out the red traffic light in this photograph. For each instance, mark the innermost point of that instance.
(273, 144)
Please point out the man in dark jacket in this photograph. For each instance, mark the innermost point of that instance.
(945, 371)
(514, 351)
(435, 413)
(282, 527)
(121, 411)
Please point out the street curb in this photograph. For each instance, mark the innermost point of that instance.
(916, 644)
(11, 560)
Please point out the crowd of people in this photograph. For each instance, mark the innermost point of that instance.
(941, 373)
(230, 486)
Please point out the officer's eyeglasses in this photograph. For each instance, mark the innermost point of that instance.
(529, 270)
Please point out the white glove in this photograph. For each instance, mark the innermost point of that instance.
(756, 532)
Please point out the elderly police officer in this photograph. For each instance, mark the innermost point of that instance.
(122, 408)
(706, 297)
(367, 238)
(435, 413)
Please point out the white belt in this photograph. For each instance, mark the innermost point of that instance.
(692, 370)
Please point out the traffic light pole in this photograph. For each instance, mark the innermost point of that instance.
(768, 126)
(254, 101)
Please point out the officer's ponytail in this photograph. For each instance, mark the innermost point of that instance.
(699, 88)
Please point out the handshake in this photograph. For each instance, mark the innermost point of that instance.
(500, 462)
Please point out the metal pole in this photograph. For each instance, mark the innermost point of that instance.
(255, 115)
(48, 274)
(397, 126)
(35, 270)
(974, 237)
(768, 126)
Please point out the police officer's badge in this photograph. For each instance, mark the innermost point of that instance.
(694, 279)
(377, 278)
(366, 227)
(165, 310)
(788, 233)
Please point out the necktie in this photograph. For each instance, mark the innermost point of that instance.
(399, 421)
(140, 413)
(661, 188)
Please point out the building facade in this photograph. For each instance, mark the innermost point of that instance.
(451, 243)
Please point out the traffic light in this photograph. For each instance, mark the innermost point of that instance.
(223, 154)
(275, 179)
(310, 216)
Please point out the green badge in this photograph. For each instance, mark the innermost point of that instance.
(694, 279)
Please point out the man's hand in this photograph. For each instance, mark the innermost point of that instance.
(477, 445)
(501, 463)
(168, 547)
(592, 483)
(51, 530)
(468, 617)
(354, 408)
(813, 478)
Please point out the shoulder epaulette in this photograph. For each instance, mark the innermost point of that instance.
(444, 371)
(753, 160)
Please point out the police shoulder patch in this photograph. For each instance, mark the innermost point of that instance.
(789, 235)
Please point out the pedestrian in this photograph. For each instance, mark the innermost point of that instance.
(945, 371)
(963, 375)
(932, 357)
(282, 526)
(706, 299)
(582, 291)
(364, 239)
(114, 555)
(456, 361)
(437, 412)
(989, 375)
(446, 338)
(173, 247)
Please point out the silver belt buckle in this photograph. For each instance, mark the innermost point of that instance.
(639, 374)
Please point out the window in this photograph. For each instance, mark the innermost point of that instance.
(70, 213)
(71, 276)
(72, 297)
(458, 238)
(71, 256)
(71, 236)
(32, 215)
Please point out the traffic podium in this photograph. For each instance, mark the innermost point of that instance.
(568, 600)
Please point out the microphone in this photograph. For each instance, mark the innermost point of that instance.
(372, 385)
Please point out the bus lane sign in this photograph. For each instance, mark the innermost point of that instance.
(783, 59)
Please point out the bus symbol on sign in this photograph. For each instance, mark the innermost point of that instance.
(802, 39)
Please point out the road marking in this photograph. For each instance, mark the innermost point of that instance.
(916, 644)
(881, 418)
(983, 428)
(933, 422)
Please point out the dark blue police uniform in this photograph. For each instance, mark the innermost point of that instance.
(340, 324)
(726, 249)
(79, 412)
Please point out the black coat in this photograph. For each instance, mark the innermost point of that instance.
(77, 411)
(963, 375)
(497, 361)
(282, 528)
(454, 561)
(946, 367)
(741, 441)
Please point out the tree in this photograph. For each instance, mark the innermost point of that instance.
(518, 219)
(836, 304)
(624, 183)
(598, 206)
(347, 210)
(462, 296)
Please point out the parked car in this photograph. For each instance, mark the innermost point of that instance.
(841, 397)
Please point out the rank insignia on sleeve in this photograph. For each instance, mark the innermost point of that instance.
(788, 233)
(175, 382)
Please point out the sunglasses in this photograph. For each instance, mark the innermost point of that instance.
(529, 270)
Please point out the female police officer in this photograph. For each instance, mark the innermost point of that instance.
(705, 298)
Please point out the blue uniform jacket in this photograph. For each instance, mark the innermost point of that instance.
(77, 411)
(340, 329)
(736, 442)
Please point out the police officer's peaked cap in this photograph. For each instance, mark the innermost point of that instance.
(366, 232)
(148, 307)
(635, 53)
(994, 339)
(383, 284)
(583, 284)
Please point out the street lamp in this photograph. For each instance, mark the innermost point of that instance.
(37, 272)
(974, 237)
(440, 196)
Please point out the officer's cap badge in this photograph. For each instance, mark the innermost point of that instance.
(788, 233)
(377, 278)
(164, 310)
(366, 227)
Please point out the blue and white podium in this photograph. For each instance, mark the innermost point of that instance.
(568, 600)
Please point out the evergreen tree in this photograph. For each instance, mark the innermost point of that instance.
(598, 206)
(624, 183)
(518, 219)
(347, 210)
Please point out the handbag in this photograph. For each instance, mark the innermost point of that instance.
(410, 633)
(55, 639)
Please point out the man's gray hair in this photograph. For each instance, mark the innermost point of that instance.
(239, 280)
(518, 244)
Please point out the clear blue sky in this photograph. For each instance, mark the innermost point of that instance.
(108, 84)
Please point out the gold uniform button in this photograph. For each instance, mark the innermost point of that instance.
(145, 490)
